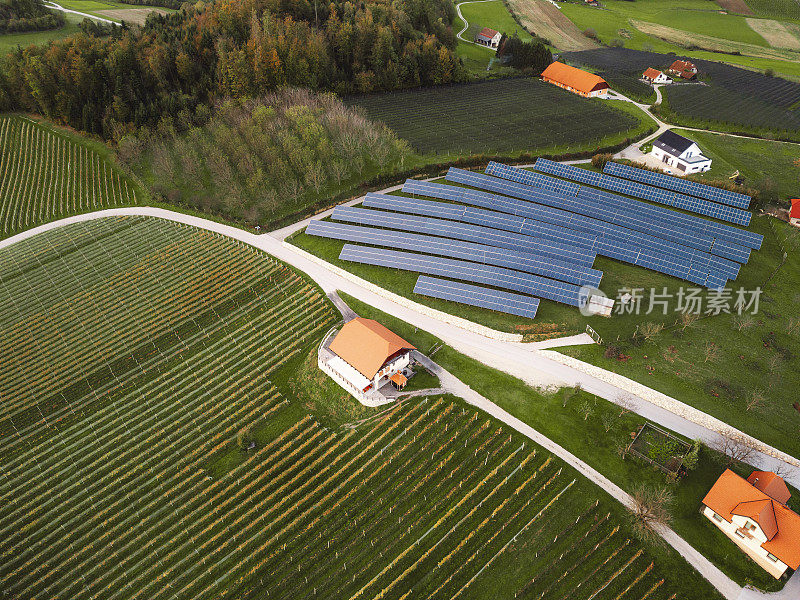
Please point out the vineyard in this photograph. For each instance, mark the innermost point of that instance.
(496, 116)
(46, 175)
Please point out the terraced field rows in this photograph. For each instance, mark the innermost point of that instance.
(44, 175)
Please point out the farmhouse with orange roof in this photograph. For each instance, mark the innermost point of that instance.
(752, 512)
(363, 357)
(576, 80)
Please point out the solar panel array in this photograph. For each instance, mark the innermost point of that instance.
(463, 231)
(604, 217)
(480, 253)
(507, 302)
(678, 184)
(498, 277)
(615, 241)
(639, 190)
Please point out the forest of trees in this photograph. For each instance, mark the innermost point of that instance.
(531, 56)
(261, 159)
(177, 65)
(27, 15)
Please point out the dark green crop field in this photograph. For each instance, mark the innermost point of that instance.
(500, 116)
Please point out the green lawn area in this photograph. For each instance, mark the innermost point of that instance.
(755, 159)
(95, 7)
(691, 16)
(9, 41)
(596, 439)
(494, 15)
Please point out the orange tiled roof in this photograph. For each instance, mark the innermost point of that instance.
(366, 345)
(732, 494)
(794, 213)
(577, 79)
(651, 73)
(488, 33)
(772, 485)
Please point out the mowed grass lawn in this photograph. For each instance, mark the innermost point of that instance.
(756, 160)
(492, 14)
(10, 41)
(594, 430)
(501, 116)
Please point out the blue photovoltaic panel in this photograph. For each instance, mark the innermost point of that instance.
(615, 242)
(502, 257)
(678, 184)
(728, 232)
(734, 235)
(464, 231)
(558, 291)
(468, 214)
(464, 293)
(633, 188)
(555, 206)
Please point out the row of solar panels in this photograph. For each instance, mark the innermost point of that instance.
(474, 295)
(678, 184)
(639, 190)
(589, 217)
(606, 239)
(646, 212)
(620, 243)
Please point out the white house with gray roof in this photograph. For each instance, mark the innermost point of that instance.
(681, 153)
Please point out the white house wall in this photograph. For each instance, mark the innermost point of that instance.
(750, 546)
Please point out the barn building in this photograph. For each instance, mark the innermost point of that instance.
(363, 357)
(683, 69)
(680, 152)
(575, 80)
(488, 37)
(794, 212)
(753, 514)
(654, 76)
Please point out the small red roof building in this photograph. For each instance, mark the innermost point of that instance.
(794, 212)
(683, 68)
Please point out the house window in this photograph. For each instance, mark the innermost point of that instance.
(749, 526)
(772, 557)
(739, 533)
(717, 517)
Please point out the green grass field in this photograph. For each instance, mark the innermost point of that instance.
(561, 416)
(128, 470)
(10, 41)
(48, 173)
(694, 18)
(776, 9)
(754, 159)
(492, 14)
(502, 116)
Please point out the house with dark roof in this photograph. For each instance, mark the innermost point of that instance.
(488, 37)
(752, 512)
(363, 357)
(680, 152)
(576, 80)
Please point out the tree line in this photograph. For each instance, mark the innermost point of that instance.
(177, 64)
(27, 15)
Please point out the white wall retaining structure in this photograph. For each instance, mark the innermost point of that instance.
(406, 302)
(669, 403)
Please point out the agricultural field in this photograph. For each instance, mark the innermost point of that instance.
(47, 174)
(726, 97)
(594, 430)
(684, 26)
(629, 84)
(114, 11)
(11, 41)
(548, 22)
(478, 118)
(776, 9)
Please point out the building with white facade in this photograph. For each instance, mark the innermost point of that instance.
(364, 357)
(681, 153)
(752, 512)
(488, 37)
(655, 76)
